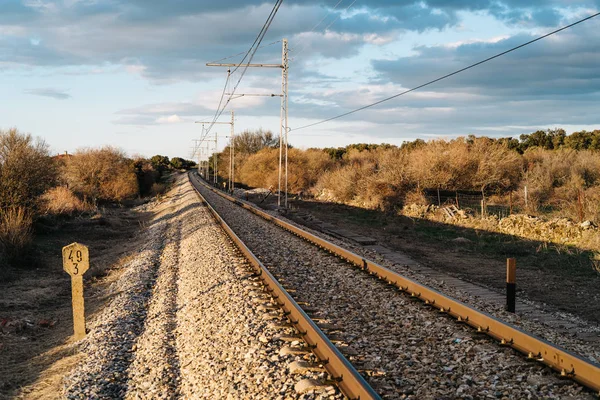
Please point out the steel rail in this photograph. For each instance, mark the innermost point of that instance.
(568, 364)
(346, 377)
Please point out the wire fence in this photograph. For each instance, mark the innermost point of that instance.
(471, 202)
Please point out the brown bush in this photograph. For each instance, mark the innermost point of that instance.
(436, 165)
(558, 178)
(101, 174)
(15, 232)
(386, 176)
(355, 181)
(260, 169)
(304, 168)
(61, 201)
(158, 188)
(338, 185)
(498, 167)
(26, 169)
(416, 197)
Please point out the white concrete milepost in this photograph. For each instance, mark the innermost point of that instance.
(76, 261)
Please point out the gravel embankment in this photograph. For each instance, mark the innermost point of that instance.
(587, 349)
(405, 349)
(186, 322)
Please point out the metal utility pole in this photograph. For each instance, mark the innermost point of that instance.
(231, 182)
(207, 164)
(215, 160)
(284, 129)
(232, 157)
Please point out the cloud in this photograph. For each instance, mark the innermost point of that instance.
(171, 119)
(552, 81)
(171, 41)
(565, 64)
(49, 92)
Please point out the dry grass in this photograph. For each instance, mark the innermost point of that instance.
(15, 232)
(62, 201)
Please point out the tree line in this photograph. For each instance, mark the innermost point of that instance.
(545, 171)
(34, 183)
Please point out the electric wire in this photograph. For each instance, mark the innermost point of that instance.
(325, 17)
(243, 52)
(249, 55)
(338, 16)
(320, 22)
(258, 39)
(448, 75)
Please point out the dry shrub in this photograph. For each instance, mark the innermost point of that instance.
(304, 168)
(498, 167)
(441, 164)
(122, 186)
(26, 169)
(158, 188)
(259, 169)
(338, 185)
(368, 178)
(15, 232)
(561, 179)
(591, 204)
(384, 177)
(545, 170)
(460, 164)
(61, 201)
(416, 197)
(101, 174)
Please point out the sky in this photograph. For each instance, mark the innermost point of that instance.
(132, 73)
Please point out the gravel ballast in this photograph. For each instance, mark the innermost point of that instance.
(404, 349)
(188, 320)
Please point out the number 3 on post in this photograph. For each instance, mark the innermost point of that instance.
(76, 261)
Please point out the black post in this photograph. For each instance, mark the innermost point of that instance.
(511, 284)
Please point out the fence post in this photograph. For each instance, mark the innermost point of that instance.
(510, 203)
(511, 284)
(482, 209)
(526, 199)
(580, 204)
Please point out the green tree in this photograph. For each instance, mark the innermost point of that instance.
(160, 163)
(335, 153)
(581, 140)
(177, 162)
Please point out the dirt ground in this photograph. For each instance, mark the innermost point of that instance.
(36, 345)
(561, 278)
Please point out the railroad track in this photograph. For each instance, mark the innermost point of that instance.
(400, 347)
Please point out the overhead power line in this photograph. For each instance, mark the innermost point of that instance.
(448, 75)
(243, 52)
(338, 16)
(325, 17)
(323, 20)
(249, 55)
